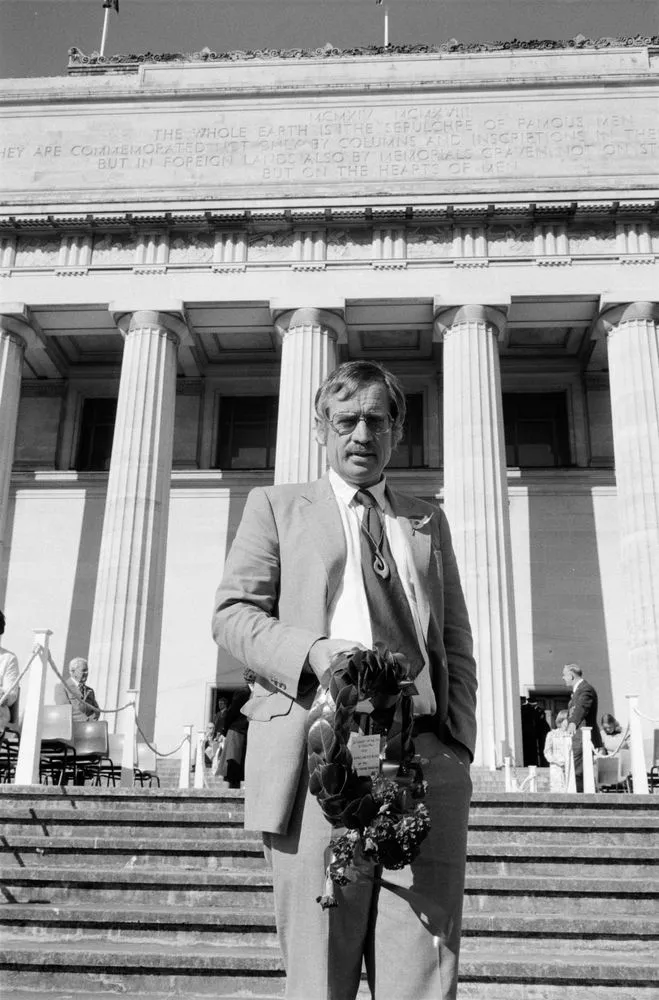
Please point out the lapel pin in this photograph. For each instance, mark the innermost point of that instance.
(421, 522)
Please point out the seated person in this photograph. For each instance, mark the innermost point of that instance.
(77, 693)
(613, 738)
(8, 678)
(558, 746)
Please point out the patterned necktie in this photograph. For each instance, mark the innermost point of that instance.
(391, 617)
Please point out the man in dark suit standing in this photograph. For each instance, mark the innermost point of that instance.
(299, 587)
(582, 711)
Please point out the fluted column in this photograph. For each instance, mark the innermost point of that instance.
(12, 351)
(125, 638)
(476, 503)
(632, 333)
(308, 355)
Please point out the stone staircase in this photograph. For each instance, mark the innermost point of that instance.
(161, 894)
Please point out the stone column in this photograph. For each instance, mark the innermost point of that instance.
(12, 351)
(476, 503)
(125, 638)
(308, 355)
(632, 332)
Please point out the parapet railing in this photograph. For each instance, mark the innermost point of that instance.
(29, 750)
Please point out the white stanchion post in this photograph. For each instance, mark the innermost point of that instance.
(570, 777)
(639, 772)
(533, 778)
(130, 742)
(588, 768)
(508, 775)
(186, 750)
(29, 751)
(199, 760)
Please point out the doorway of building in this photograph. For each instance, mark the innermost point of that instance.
(539, 710)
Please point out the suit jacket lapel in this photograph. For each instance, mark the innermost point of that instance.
(323, 521)
(408, 514)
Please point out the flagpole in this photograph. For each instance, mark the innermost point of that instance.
(105, 30)
(386, 26)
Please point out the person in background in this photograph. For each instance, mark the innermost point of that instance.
(77, 693)
(613, 738)
(8, 679)
(232, 758)
(557, 753)
(581, 712)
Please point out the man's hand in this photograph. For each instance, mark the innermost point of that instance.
(323, 652)
(571, 729)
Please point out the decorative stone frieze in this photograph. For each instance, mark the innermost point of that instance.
(476, 502)
(632, 335)
(349, 244)
(191, 248)
(510, 240)
(125, 635)
(308, 355)
(37, 251)
(271, 247)
(429, 241)
(114, 248)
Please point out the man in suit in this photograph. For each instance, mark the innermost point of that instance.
(582, 711)
(297, 590)
(77, 693)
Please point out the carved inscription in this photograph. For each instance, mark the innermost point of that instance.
(382, 145)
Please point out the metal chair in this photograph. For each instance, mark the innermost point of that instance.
(10, 738)
(91, 743)
(58, 753)
(613, 774)
(653, 773)
(110, 766)
(146, 766)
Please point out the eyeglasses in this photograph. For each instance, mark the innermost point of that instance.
(344, 422)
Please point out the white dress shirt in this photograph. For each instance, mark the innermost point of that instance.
(349, 616)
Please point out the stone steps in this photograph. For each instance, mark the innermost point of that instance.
(161, 894)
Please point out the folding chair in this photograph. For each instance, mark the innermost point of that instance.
(110, 766)
(9, 743)
(613, 774)
(58, 754)
(91, 743)
(653, 773)
(146, 766)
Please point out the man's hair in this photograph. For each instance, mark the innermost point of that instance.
(561, 716)
(575, 669)
(76, 662)
(2, 623)
(350, 377)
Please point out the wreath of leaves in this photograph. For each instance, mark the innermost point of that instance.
(383, 817)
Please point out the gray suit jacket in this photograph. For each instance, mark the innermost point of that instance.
(282, 572)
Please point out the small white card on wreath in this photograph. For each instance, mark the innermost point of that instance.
(365, 752)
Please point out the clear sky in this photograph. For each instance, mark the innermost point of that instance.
(36, 34)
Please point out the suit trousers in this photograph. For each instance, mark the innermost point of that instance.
(405, 925)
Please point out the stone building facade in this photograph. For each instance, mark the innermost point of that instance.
(187, 248)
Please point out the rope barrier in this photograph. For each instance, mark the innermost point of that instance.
(614, 753)
(20, 676)
(648, 718)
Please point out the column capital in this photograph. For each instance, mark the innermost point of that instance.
(169, 317)
(448, 318)
(613, 317)
(329, 321)
(15, 324)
